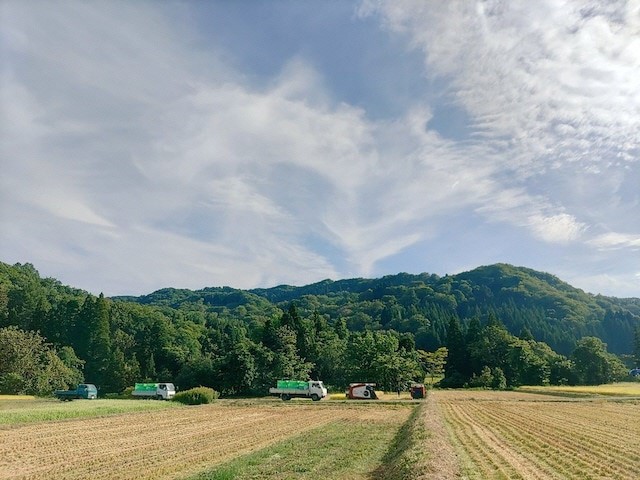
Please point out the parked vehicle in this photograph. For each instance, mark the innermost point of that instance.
(288, 389)
(418, 390)
(361, 391)
(84, 390)
(158, 391)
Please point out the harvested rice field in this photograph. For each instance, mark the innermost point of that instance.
(172, 442)
(510, 435)
(451, 435)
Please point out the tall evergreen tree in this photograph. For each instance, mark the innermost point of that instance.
(341, 329)
(458, 359)
(99, 358)
(636, 346)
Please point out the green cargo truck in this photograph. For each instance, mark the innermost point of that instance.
(288, 389)
(83, 390)
(158, 391)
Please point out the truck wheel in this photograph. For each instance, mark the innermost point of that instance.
(315, 397)
(285, 397)
(158, 397)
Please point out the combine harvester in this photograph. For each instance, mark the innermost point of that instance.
(361, 391)
(418, 390)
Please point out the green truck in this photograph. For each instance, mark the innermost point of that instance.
(84, 390)
(157, 391)
(288, 389)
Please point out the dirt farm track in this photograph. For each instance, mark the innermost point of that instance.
(460, 434)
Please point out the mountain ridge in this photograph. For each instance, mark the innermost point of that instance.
(523, 299)
(552, 309)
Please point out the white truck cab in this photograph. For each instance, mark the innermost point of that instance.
(166, 390)
(317, 388)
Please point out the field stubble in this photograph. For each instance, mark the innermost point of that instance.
(169, 443)
(509, 435)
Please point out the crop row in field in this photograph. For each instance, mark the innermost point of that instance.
(169, 443)
(504, 435)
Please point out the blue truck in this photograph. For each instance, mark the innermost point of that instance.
(83, 390)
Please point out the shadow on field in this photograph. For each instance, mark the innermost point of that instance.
(399, 461)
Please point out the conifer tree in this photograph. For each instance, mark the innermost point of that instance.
(458, 359)
(636, 346)
(99, 357)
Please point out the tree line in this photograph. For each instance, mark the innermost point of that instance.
(241, 342)
(489, 356)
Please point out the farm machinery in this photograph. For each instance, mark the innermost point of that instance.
(418, 390)
(361, 391)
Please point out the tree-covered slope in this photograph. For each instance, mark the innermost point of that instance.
(242, 341)
(523, 299)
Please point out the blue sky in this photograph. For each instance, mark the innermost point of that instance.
(251, 144)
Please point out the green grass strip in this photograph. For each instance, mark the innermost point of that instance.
(47, 410)
(337, 450)
(406, 451)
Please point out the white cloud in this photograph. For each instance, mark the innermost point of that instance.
(624, 284)
(555, 81)
(616, 241)
(133, 153)
(545, 221)
(561, 228)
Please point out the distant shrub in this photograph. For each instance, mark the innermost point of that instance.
(484, 380)
(455, 380)
(123, 395)
(498, 380)
(196, 396)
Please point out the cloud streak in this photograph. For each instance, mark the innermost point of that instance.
(135, 149)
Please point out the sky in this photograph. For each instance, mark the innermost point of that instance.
(194, 144)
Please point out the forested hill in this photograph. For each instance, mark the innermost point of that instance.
(524, 300)
(493, 321)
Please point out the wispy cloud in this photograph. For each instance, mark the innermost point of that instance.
(550, 88)
(616, 241)
(132, 146)
(550, 81)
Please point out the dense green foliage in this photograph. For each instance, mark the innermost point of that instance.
(196, 396)
(490, 357)
(378, 330)
(29, 366)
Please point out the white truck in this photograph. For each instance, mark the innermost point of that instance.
(288, 389)
(158, 391)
